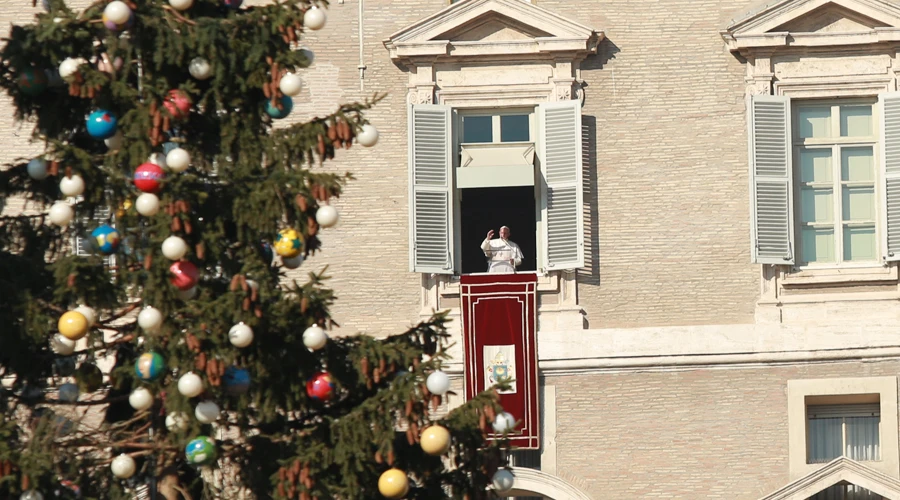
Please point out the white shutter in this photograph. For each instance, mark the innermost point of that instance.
(561, 166)
(431, 189)
(770, 180)
(890, 172)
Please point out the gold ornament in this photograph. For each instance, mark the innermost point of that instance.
(393, 484)
(73, 325)
(435, 440)
(289, 243)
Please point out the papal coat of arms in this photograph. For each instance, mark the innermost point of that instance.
(500, 365)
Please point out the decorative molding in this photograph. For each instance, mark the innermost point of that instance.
(840, 469)
(531, 482)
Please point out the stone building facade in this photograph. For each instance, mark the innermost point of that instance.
(734, 289)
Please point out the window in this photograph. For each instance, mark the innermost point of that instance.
(499, 127)
(835, 148)
(850, 430)
(846, 491)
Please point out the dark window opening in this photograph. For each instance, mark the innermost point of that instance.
(483, 209)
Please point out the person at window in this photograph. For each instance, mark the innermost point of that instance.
(503, 255)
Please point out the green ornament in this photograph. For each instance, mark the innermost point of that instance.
(32, 81)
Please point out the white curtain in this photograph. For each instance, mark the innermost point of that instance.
(862, 438)
(825, 439)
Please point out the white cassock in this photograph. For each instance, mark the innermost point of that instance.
(499, 253)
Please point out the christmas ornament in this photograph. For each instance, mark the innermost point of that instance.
(289, 243)
(31, 494)
(88, 377)
(124, 207)
(101, 124)
(188, 294)
(69, 67)
(435, 440)
(320, 386)
(184, 275)
(106, 239)
(200, 451)
(72, 325)
(315, 337)
(119, 27)
(314, 18)
(290, 84)
(504, 422)
(177, 421)
(149, 366)
(181, 4)
(123, 466)
(32, 81)
(177, 103)
(240, 335)
(309, 55)
(68, 393)
(37, 169)
(174, 248)
(114, 143)
(206, 412)
(438, 383)
(89, 314)
(287, 104)
(503, 481)
(178, 160)
(148, 177)
(236, 380)
(327, 216)
(233, 4)
(72, 185)
(268, 253)
(150, 319)
(61, 214)
(147, 204)
(393, 483)
(140, 399)
(368, 136)
(199, 68)
(116, 14)
(292, 262)
(61, 345)
(190, 385)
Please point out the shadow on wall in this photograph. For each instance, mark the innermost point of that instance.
(590, 273)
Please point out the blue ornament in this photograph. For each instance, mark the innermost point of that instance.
(236, 380)
(287, 104)
(68, 393)
(101, 124)
(200, 451)
(268, 253)
(106, 239)
(149, 366)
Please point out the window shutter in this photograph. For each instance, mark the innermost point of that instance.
(890, 164)
(561, 166)
(770, 176)
(431, 189)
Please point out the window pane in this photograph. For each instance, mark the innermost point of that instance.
(859, 244)
(856, 121)
(815, 121)
(514, 128)
(857, 164)
(478, 129)
(862, 438)
(858, 203)
(816, 205)
(824, 440)
(815, 165)
(817, 244)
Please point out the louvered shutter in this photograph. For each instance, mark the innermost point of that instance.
(770, 174)
(561, 166)
(890, 154)
(431, 189)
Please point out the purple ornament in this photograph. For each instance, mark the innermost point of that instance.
(233, 4)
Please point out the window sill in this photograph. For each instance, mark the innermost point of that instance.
(546, 283)
(810, 276)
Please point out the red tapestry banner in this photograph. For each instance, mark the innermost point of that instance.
(499, 340)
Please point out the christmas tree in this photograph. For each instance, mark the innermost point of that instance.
(152, 341)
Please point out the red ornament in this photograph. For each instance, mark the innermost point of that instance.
(184, 275)
(147, 177)
(320, 387)
(178, 104)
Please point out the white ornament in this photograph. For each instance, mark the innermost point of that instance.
(327, 216)
(89, 314)
(503, 480)
(31, 495)
(368, 136)
(315, 337)
(72, 185)
(292, 262)
(68, 393)
(150, 319)
(123, 466)
(158, 159)
(190, 385)
(181, 4)
(240, 335)
(177, 421)
(290, 84)
(140, 399)
(117, 12)
(62, 345)
(174, 248)
(178, 160)
(314, 19)
(310, 56)
(115, 142)
(504, 422)
(207, 412)
(200, 68)
(438, 383)
(188, 294)
(147, 204)
(61, 214)
(37, 169)
(69, 67)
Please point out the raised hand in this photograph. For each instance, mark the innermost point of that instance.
(490, 234)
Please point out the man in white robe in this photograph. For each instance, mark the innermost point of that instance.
(503, 255)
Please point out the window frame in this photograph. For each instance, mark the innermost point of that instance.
(847, 411)
(495, 113)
